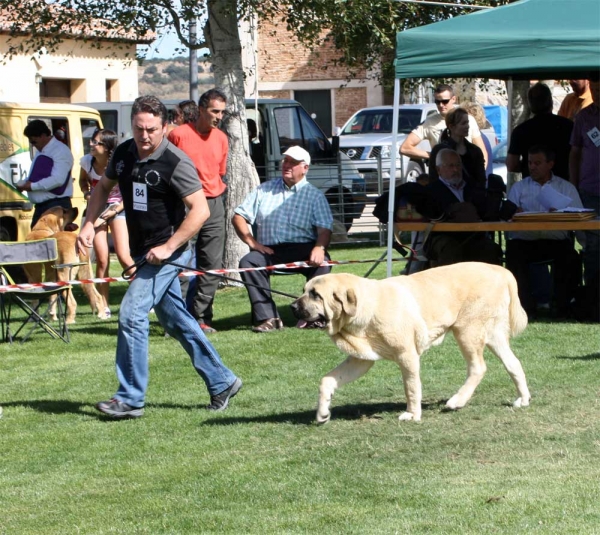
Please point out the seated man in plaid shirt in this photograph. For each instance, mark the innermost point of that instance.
(283, 220)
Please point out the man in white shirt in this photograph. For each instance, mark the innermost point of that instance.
(524, 248)
(431, 129)
(49, 183)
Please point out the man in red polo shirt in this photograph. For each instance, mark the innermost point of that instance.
(207, 146)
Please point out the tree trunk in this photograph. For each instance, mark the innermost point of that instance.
(223, 40)
(520, 106)
(519, 110)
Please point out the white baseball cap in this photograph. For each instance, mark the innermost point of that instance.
(298, 154)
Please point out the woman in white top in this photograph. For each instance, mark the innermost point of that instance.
(102, 144)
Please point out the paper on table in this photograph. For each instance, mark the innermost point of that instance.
(572, 210)
(550, 198)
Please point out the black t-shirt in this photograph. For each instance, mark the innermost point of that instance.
(545, 129)
(152, 190)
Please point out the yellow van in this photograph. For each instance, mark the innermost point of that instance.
(74, 125)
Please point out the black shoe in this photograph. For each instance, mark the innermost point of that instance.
(220, 401)
(117, 409)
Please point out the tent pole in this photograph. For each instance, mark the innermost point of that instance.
(393, 159)
(509, 126)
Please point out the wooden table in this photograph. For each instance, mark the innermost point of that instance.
(590, 224)
(492, 226)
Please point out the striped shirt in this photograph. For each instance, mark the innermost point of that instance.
(279, 214)
(525, 195)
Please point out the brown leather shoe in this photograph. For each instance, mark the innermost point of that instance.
(269, 325)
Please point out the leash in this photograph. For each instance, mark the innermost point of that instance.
(236, 280)
(133, 267)
(137, 265)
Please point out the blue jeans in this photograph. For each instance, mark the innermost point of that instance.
(158, 287)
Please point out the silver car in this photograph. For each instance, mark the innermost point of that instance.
(366, 138)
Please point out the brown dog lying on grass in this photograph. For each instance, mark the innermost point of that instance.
(51, 225)
(399, 318)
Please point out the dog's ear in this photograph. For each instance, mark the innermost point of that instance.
(350, 304)
(347, 298)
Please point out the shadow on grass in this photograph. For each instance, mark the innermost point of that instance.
(591, 356)
(341, 412)
(52, 406)
(63, 406)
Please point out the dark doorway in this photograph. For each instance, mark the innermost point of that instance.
(318, 104)
(57, 91)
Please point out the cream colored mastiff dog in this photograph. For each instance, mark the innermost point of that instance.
(400, 318)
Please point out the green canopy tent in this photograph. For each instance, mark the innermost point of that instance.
(530, 39)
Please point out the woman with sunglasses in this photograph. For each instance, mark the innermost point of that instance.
(102, 144)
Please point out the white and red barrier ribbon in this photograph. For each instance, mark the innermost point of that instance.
(190, 273)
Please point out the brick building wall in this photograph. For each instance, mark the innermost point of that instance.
(286, 67)
(348, 101)
(277, 94)
(282, 57)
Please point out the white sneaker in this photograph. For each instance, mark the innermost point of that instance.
(107, 313)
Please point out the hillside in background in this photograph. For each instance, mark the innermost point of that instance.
(169, 78)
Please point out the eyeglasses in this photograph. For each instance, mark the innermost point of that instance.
(93, 142)
(442, 101)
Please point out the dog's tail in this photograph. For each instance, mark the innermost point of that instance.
(517, 316)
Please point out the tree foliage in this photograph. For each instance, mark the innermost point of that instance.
(362, 30)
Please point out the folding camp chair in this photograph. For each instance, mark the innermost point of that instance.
(36, 301)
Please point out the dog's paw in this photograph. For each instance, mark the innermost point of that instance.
(323, 418)
(454, 403)
(521, 402)
(409, 416)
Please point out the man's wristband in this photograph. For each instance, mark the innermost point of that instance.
(322, 247)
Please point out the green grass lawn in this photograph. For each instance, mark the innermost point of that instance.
(263, 466)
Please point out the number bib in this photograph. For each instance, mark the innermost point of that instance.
(140, 197)
(594, 135)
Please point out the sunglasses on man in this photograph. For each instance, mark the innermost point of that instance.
(442, 101)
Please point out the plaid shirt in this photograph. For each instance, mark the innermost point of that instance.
(280, 214)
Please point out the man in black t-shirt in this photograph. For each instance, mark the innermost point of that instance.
(544, 128)
(158, 182)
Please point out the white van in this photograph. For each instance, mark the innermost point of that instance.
(280, 123)
(74, 124)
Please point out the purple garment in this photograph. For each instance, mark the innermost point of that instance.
(42, 168)
(586, 121)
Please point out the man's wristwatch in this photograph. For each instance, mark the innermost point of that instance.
(322, 247)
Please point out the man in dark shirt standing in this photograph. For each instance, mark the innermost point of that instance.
(544, 128)
(158, 182)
